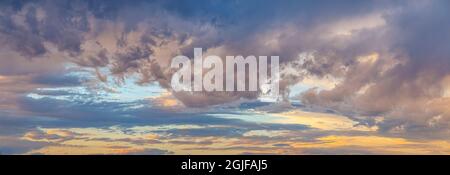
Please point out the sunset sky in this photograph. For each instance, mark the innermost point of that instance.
(93, 77)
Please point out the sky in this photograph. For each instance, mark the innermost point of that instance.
(94, 77)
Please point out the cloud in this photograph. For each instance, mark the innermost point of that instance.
(13, 145)
(141, 37)
(147, 151)
(58, 80)
(407, 78)
(389, 60)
